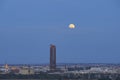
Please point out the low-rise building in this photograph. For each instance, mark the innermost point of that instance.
(26, 71)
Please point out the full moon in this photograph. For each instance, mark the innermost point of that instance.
(71, 26)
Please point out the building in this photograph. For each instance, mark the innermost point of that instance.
(26, 71)
(6, 68)
(52, 57)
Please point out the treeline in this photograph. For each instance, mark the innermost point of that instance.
(45, 76)
(35, 76)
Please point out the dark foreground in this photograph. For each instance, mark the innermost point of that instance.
(88, 76)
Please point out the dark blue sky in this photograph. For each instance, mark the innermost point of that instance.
(28, 27)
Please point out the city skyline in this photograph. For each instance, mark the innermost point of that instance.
(27, 27)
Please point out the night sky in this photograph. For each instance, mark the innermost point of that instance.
(28, 27)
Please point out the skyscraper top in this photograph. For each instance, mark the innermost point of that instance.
(52, 45)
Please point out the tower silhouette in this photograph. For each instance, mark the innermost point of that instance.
(52, 57)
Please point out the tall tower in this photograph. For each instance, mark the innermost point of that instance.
(52, 57)
(6, 68)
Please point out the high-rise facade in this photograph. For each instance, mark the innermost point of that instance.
(52, 57)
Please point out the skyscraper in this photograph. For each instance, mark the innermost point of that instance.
(52, 57)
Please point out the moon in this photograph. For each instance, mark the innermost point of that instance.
(71, 26)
